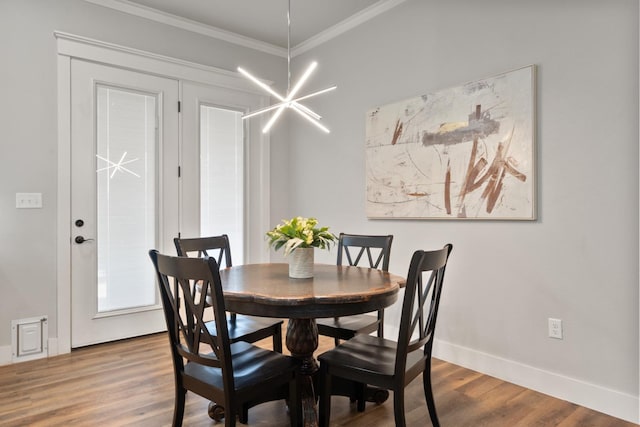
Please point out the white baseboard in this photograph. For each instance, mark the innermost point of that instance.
(5, 355)
(53, 347)
(601, 399)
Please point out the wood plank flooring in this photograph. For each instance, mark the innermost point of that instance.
(130, 383)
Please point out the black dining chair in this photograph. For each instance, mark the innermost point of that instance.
(352, 248)
(387, 364)
(241, 328)
(236, 375)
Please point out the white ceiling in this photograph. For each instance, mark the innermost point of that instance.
(259, 22)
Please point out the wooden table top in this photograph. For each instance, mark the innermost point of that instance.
(267, 290)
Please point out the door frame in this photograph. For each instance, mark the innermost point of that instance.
(72, 46)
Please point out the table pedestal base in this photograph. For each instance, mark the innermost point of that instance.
(302, 342)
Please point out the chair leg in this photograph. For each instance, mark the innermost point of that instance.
(428, 394)
(178, 408)
(398, 406)
(244, 413)
(336, 341)
(277, 340)
(360, 396)
(381, 324)
(325, 397)
(230, 417)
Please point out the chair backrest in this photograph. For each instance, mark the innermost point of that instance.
(215, 247)
(358, 245)
(421, 303)
(189, 337)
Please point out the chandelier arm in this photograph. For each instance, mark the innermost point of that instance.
(311, 120)
(278, 105)
(303, 79)
(295, 102)
(261, 84)
(263, 110)
(315, 93)
(306, 110)
(303, 113)
(273, 119)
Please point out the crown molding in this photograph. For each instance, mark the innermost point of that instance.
(342, 27)
(353, 21)
(189, 25)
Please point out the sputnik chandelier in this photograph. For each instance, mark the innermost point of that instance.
(290, 100)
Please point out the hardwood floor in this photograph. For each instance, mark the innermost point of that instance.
(130, 383)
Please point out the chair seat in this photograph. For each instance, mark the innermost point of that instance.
(247, 328)
(347, 327)
(251, 366)
(370, 360)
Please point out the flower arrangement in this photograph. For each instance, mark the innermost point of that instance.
(300, 232)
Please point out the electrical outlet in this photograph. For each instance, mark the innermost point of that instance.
(555, 328)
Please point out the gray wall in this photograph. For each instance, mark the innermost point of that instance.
(579, 260)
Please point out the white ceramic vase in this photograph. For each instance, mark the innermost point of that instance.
(301, 263)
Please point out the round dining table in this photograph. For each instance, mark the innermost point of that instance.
(333, 291)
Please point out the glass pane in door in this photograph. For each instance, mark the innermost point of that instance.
(221, 176)
(126, 194)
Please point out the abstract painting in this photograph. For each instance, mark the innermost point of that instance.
(461, 153)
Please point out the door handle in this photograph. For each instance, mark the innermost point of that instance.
(80, 240)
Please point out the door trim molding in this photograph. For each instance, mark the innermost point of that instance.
(75, 46)
(72, 46)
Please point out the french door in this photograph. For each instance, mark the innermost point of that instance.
(141, 173)
(224, 178)
(124, 198)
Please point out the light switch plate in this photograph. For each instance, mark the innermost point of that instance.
(28, 200)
